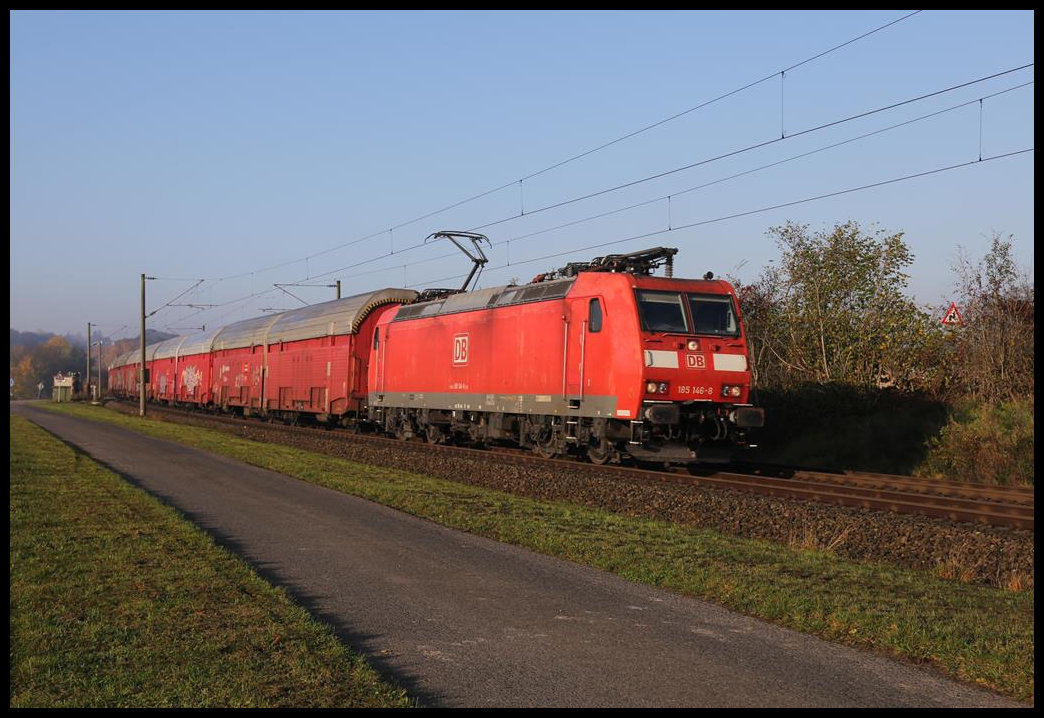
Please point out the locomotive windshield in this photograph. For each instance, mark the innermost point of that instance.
(713, 314)
(662, 312)
(706, 313)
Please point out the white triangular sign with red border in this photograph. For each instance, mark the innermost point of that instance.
(952, 316)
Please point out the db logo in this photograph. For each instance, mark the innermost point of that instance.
(460, 349)
(696, 361)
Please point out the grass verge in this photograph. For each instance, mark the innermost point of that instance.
(988, 443)
(974, 633)
(116, 601)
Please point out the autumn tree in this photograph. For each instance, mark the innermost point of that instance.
(39, 365)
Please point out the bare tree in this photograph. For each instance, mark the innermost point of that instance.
(993, 357)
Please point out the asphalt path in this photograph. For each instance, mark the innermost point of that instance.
(461, 621)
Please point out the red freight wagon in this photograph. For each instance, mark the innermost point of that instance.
(317, 355)
(178, 371)
(608, 360)
(195, 369)
(302, 362)
(237, 358)
(162, 360)
(123, 376)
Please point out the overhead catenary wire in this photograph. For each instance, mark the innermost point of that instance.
(759, 145)
(734, 153)
(611, 189)
(671, 228)
(759, 210)
(719, 98)
(691, 225)
(736, 175)
(580, 155)
(179, 296)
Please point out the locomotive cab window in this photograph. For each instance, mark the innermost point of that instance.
(594, 316)
(662, 312)
(713, 314)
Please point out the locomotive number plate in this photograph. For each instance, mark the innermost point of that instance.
(695, 390)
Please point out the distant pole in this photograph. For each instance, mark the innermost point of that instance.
(98, 396)
(338, 288)
(141, 374)
(88, 374)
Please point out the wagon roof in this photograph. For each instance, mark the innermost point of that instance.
(165, 349)
(124, 359)
(199, 343)
(247, 333)
(341, 316)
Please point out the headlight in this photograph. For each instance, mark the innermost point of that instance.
(654, 387)
(693, 345)
(731, 390)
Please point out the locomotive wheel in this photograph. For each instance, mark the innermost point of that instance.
(402, 430)
(544, 446)
(599, 451)
(434, 434)
(545, 451)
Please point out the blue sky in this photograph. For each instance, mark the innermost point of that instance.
(249, 149)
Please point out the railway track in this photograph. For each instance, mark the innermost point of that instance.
(971, 503)
(960, 502)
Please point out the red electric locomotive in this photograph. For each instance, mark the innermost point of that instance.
(599, 357)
